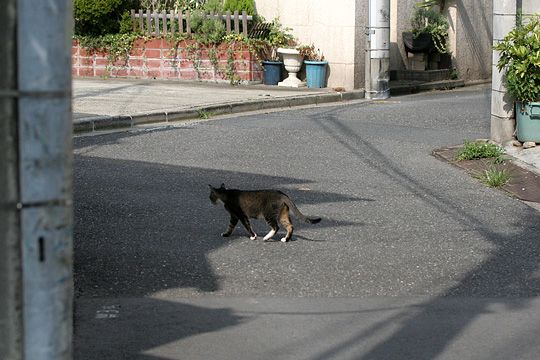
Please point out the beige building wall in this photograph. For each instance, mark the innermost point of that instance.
(334, 27)
(338, 29)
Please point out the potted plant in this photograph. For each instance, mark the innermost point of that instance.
(429, 32)
(315, 66)
(520, 60)
(272, 36)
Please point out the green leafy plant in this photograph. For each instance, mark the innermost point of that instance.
(99, 17)
(427, 20)
(206, 30)
(520, 60)
(494, 177)
(479, 150)
(239, 5)
(203, 114)
(117, 46)
(276, 36)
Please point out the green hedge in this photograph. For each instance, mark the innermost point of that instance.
(232, 5)
(100, 17)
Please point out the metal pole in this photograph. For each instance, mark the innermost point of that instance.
(10, 257)
(378, 50)
(45, 171)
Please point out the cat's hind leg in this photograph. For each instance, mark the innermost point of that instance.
(285, 220)
(247, 225)
(232, 225)
(272, 222)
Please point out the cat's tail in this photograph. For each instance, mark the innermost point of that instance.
(298, 214)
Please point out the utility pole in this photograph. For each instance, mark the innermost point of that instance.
(502, 109)
(378, 50)
(36, 181)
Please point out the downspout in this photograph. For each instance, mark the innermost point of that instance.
(378, 50)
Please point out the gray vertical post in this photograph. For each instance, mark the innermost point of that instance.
(45, 168)
(378, 50)
(502, 110)
(10, 262)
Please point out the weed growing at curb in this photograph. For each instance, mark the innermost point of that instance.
(204, 114)
(494, 177)
(480, 150)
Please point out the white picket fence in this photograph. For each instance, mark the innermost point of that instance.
(171, 22)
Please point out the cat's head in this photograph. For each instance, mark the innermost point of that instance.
(215, 193)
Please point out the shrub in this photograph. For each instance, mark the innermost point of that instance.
(247, 5)
(99, 17)
(520, 59)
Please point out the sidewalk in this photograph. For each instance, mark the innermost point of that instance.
(115, 103)
(118, 103)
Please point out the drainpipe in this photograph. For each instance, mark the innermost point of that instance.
(502, 109)
(45, 171)
(378, 50)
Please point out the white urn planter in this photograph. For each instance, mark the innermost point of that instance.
(293, 62)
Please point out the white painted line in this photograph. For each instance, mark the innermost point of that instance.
(108, 312)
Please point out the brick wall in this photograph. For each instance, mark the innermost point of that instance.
(162, 59)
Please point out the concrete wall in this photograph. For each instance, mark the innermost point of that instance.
(336, 30)
(470, 34)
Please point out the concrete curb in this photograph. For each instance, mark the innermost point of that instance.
(101, 123)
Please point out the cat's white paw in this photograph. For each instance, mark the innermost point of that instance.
(284, 239)
(253, 237)
(269, 235)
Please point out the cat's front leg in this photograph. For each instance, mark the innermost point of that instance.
(232, 225)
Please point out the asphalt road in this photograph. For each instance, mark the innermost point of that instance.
(413, 259)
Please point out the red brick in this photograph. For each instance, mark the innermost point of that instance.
(154, 64)
(139, 43)
(119, 72)
(86, 52)
(102, 72)
(137, 51)
(188, 75)
(137, 73)
(170, 73)
(185, 64)
(86, 61)
(102, 62)
(86, 72)
(152, 54)
(153, 74)
(153, 44)
(136, 62)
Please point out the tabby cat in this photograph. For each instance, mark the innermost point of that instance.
(270, 205)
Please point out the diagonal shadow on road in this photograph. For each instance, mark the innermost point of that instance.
(510, 271)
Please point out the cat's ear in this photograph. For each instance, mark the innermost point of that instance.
(222, 186)
(211, 187)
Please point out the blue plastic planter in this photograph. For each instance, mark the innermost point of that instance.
(528, 121)
(272, 72)
(316, 73)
